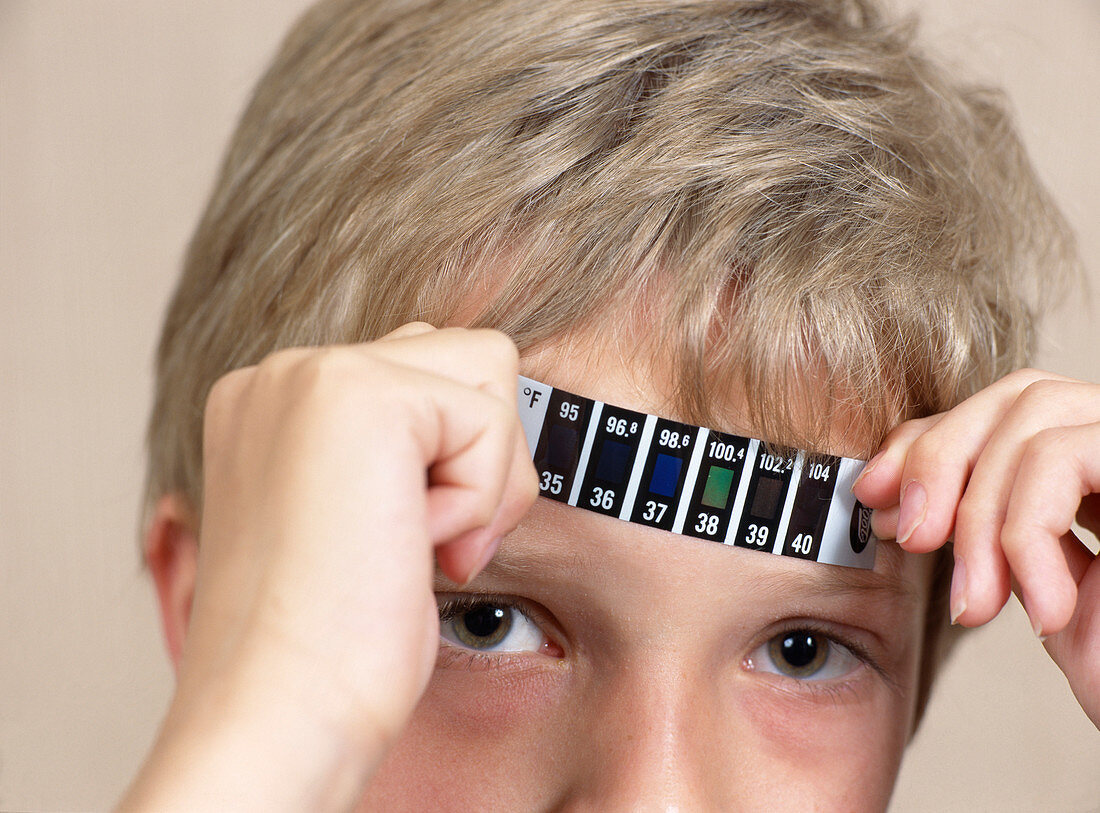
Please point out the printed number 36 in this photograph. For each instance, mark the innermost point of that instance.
(602, 498)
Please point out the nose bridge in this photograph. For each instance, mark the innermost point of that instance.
(649, 735)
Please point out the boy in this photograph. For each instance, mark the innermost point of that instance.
(773, 219)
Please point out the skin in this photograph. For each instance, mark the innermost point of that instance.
(312, 672)
(1005, 475)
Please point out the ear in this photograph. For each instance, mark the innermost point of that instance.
(172, 552)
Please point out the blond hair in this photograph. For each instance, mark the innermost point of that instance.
(802, 188)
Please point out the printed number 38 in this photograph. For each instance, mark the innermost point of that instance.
(707, 523)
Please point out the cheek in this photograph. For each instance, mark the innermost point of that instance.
(829, 755)
(479, 739)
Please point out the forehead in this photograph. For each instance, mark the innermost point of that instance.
(596, 365)
(621, 362)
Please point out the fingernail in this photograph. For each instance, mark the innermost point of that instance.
(1037, 627)
(958, 590)
(867, 469)
(487, 554)
(914, 506)
(1036, 624)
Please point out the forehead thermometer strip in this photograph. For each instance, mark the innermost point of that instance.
(694, 481)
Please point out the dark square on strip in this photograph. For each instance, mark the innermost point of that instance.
(562, 451)
(766, 500)
(614, 459)
(666, 473)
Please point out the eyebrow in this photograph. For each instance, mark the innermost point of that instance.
(833, 580)
(522, 564)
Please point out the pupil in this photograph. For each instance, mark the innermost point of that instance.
(483, 621)
(799, 649)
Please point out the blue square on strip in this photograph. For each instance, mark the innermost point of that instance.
(614, 459)
(562, 449)
(666, 473)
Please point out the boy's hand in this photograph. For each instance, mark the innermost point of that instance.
(1005, 474)
(331, 477)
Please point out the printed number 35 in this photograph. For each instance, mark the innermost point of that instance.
(550, 482)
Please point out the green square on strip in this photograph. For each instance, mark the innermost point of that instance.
(717, 490)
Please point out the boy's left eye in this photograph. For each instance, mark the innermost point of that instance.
(804, 654)
(489, 626)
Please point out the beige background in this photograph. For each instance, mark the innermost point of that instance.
(113, 116)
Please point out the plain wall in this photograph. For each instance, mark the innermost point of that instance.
(113, 115)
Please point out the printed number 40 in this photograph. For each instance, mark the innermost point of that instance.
(803, 543)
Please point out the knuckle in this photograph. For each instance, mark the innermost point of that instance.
(1038, 393)
(284, 358)
(1049, 448)
(1024, 377)
(409, 330)
(227, 387)
(223, 396)
(327, 368)
(482, 507)
(924, 452)
(499, 345)
(973, 518)
(1014, 537)
(529, 483)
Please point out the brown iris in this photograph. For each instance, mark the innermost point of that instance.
(482, 626)
(799, 653)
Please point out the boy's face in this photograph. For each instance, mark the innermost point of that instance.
(597, 663)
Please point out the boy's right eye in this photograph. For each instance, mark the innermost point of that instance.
(483, 624)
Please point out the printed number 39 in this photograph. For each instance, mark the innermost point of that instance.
(757, 535)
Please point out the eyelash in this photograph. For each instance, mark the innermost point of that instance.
(455, 605)
(836, 688)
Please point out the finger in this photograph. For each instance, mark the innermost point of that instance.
(1078, 556)
(479, 358)
(1057, 467)
(939, 463)
(468, 476)
(884, 522)
(879, 483)
(463, 558)
(223, 399)
(1076, 649)
(982, 513)
(407, 331)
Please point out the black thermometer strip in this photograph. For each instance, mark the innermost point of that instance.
(694, 481)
